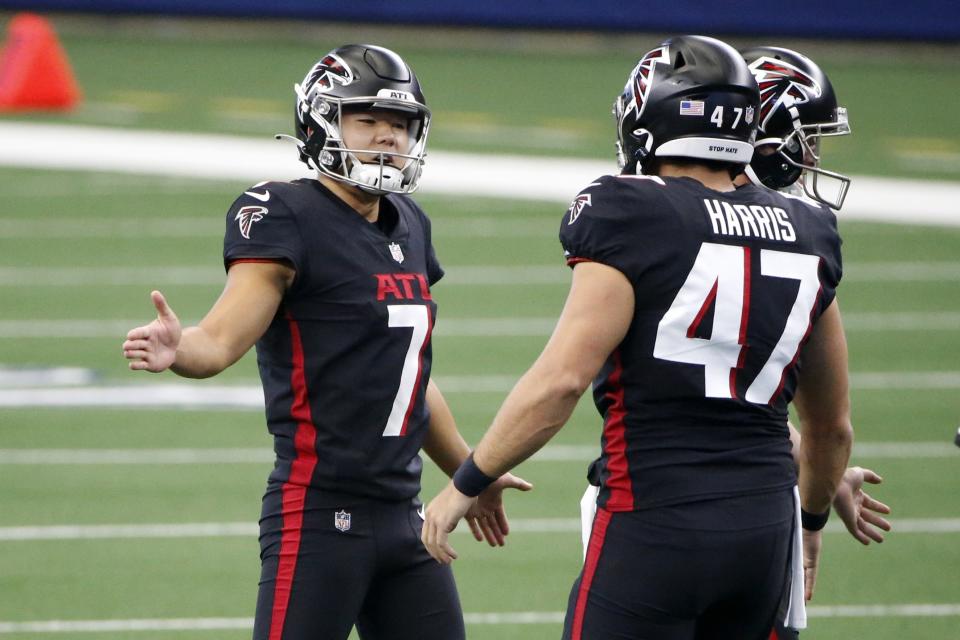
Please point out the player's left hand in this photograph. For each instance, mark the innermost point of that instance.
(440, 519)
(860, 513)
(487, 518)
(811, 561)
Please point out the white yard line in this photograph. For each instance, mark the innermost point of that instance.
(264, 455)
(248, 396)
(473, 327)
(490, 618)
(221, 157)
(211, 224)
(479, 275)
(251, 529)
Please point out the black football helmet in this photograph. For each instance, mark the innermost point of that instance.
(798, 107)
(364, 77)
(691, 97)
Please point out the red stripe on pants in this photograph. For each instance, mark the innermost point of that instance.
(594, 549)
(295, 489)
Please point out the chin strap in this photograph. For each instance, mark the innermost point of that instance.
(376, 178)
(301, 147)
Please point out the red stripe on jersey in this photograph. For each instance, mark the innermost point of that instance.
(573, 261)
(744, 317)
(615, 444)
(773, 635)
(260, 260)
(295, 488)
(692, 329)
(594, 549)
(416, 385)
(803, 340)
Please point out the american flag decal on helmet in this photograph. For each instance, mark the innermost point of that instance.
(781, 84)
(247, 216)
(331, 69)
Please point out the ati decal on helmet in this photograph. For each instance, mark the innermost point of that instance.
(247, 216)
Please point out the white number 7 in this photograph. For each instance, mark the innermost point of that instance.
(721, 275)
(418, 317)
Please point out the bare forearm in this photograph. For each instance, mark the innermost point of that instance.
(823, 405)
(444, 444)
(530, 416)
(823, 460)
(199, 355)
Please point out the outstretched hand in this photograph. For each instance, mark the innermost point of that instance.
(487, 518)
(440, 519)
(153, 347)
(444, 512)
(860, 513)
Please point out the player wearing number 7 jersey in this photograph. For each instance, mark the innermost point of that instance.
(331, 279)
(699, 312)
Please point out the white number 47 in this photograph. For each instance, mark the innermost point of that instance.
(721, 275)
(717, 116)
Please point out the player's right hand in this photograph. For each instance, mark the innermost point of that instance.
(153, 347)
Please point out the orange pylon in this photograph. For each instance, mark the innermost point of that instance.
(34, 71)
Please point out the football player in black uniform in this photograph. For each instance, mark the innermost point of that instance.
(699, 311)
(799, 107)
(331, 279)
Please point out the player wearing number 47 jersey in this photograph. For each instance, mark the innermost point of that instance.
(331, 279)
(699, 311)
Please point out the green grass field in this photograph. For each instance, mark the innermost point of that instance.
(80, 251)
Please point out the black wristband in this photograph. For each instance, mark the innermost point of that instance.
(469, 480)
(814, 521)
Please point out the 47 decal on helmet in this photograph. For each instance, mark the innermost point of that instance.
(680, 101)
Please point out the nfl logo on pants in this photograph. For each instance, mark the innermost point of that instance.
(341, 520)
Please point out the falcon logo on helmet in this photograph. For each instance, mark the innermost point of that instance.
(331, 69)
(781, 84)
(643, 75)
(247, 216)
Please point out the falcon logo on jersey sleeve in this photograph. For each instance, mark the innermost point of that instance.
(577, 206)
(781, 84)
(247, 216)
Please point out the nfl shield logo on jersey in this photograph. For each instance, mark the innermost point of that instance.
(396, 252)
(341, 520)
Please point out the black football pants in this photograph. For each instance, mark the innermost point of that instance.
(713, 570)
(318, 580)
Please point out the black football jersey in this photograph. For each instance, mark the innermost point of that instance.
(346, 361)
(727, 287)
